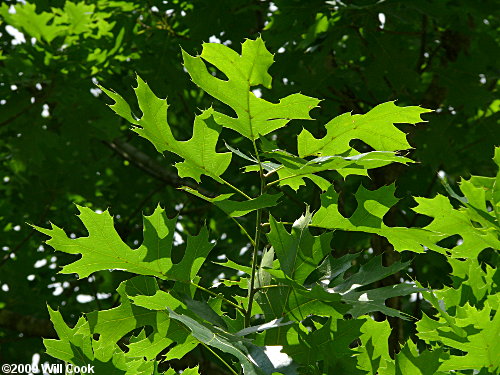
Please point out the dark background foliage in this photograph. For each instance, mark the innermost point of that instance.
(60, 144)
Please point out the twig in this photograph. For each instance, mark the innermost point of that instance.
(150, 166)
(18, 247)
(27, 325)
(423, 44)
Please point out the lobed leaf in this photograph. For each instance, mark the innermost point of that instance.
(375, 128)
(254, 116)
(480, 340)
(103, 249)
(200, 157)
(368, 217)
(299, 252)
(221, 340)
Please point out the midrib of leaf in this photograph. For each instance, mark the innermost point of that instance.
(300, 305)
(248, 103)
(133, 317)
(121, 260)
(116, 257)
(289, 291)
(295, 266)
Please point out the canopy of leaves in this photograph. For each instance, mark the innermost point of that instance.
(327, 116)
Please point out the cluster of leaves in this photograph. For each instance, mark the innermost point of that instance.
(59, 143)
(297, 297)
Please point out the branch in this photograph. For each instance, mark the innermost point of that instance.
(19, 246)
(150, 166)
(27, 325)
(423, 45)
(39, 98)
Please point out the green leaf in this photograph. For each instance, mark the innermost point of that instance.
(368, 273)
(71, 346)
(294, 169)
(375, 128)
(471, 284)
(374, 300)
(410, 361)
(368, 217)
(103, 249)
(76, 346)
(480, 340)
(449, 221)
(221, 340)
(238, 208)
(191, 371)
(263, 327)
(367, 300)
(262, 277)
(375, 345)
(289, 299)
(495, 193)
(299, 252)
(254, 116)
(161, 300)
(37, 25)
(111, 325)
(329, 344)
(241, 154)
(198, 152)
(235, 266)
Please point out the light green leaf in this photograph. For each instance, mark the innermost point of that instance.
(238, 208)
(38, 25)
(495, 193)
(368, 217)
(71, 346)
(76, 346)
(241, 154)
(450, 221)
(375, 345)
(289, 299)
(198, 152)
(115, 323)
(103, 248)
(480, 343)
(376, 128)
(77, 17)
(262, 277)
(468, 277)
(412, 361)
(263, 327)
(235, 266)
(254, 116)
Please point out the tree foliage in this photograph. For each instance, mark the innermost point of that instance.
(281, 233)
